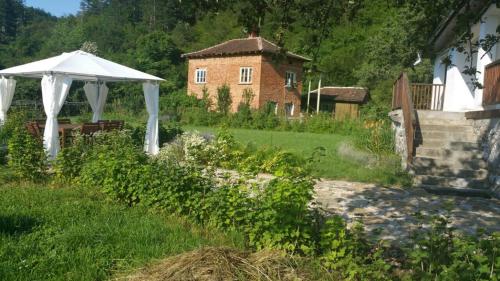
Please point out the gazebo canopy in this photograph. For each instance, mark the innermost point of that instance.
(79, 65)
(57, 74)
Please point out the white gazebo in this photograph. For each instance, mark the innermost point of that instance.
(57, 74)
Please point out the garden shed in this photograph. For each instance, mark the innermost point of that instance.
(342, 102)
(57, 73)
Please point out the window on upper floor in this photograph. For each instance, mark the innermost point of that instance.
(290, 79)
(246, 75)
(200, 76)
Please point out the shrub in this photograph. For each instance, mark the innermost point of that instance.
(348, 253)
(440, 254)
(224, 100)
(166, 133)
(283, 219)
(117, 166)
(180, 190)
(26, 156)
(70, 160)
(376, 137)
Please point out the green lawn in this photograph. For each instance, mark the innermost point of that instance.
(341, 161)
(75, 234)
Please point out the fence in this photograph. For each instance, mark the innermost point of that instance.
(69, 108)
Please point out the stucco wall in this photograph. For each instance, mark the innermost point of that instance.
(460, 93)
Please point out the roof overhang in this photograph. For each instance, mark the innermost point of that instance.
(445, 34)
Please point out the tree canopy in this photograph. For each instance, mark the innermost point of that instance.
(351, 42)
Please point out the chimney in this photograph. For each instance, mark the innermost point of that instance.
(254, 32)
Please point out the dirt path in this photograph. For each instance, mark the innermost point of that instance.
(389, 213)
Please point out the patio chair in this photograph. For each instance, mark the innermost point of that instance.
(88, 130)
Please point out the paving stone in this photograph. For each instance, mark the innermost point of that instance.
(389, 213)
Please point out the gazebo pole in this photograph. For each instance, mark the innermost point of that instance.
(319, 95)
(308, 96)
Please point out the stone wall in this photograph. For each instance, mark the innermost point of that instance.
(489, 129)
(399, 135)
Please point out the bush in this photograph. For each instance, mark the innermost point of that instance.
(70, 160)
(348, 253)
(224, 99)
(117, 166)
(26, 156)
(180, 190)
(440, 254)
(166, 133)
(283, 219)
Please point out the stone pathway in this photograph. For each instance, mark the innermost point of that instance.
(389, 213)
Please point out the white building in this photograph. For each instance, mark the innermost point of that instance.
(460, 94)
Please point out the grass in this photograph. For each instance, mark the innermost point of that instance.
(76, 234)
(341, 160)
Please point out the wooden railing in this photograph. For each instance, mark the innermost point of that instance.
(427, 96)
(401, 98)
(491, 90)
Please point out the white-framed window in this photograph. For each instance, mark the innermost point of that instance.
(246, 75)
(200, 76)
(290, 79)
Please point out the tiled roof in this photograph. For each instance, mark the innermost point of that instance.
(251, 45)
(345, 94)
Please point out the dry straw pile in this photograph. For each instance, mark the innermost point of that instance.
(214, 264)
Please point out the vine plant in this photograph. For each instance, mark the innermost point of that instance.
(469, 47)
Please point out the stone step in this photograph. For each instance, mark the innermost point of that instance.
(450, 136)
(468, 192)
(449, 163)
(446, 144)
(452, 172)
(432, 152)
(440, 114)
(451, 182)
(445, 128)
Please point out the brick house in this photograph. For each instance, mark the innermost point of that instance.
(249, 63)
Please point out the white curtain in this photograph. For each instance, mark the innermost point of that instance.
(96, 95)
(55, 88)
(7, 87)
(151, 94)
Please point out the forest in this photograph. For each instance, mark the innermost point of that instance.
(351, 42)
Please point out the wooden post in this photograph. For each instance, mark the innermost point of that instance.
(308, 96)
(319, 95)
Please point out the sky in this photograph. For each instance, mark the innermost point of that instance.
(56, 7)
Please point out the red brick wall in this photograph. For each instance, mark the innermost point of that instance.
(225, 70)
(272, 86)
(268, 79)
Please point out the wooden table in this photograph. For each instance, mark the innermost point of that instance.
(64, 130)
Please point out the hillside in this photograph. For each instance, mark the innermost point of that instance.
(359, 42)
